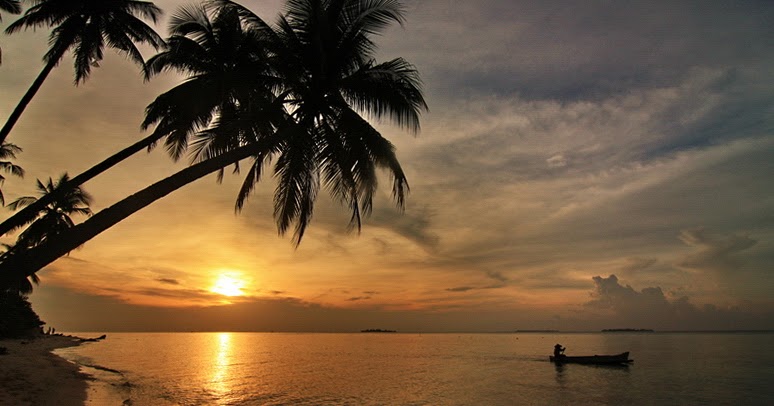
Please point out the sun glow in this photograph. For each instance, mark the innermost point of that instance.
(228, 285)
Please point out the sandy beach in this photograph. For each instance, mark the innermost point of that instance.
(31, 375)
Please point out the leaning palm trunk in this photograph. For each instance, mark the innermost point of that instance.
(30, 212)
(27, 98)
(28, 262)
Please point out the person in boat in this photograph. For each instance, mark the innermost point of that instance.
(559, 351)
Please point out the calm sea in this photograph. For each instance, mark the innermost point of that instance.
(427, 369)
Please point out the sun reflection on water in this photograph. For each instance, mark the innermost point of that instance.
(220, 380)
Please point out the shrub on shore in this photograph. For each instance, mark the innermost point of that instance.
(17, 318)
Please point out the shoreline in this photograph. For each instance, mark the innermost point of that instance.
(31, 374)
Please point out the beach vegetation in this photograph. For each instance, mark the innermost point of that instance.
(17, 320)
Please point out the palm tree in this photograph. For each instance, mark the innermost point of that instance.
(326, 60)
(85, 26)
(54, 220)
(9, 151)
(9, 6)
(322, 56)
(228, 69)
(224, 61)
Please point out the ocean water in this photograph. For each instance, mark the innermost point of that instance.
(426, 369)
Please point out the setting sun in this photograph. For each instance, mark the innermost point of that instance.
(228, 285)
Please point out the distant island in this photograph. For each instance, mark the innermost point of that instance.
(628, 330)
(377, 330)
(535, 331)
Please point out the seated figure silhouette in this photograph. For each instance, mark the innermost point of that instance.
(559, 351)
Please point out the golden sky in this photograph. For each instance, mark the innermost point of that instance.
(564, 145)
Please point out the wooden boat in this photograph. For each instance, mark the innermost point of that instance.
(622, 358)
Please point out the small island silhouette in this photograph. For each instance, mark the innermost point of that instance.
(377, 330)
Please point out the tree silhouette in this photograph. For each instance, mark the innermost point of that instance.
(55, 218)
(9, 151)
(323, 77)
(86, 27)
(224, 60)
(52, 221)
(9, 6)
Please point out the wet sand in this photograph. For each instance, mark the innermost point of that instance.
(31, 375)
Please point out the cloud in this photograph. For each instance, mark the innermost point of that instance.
(557, 161)
(609, 294)
(460, 289)
(415, 225)
(578, 50)
(650, 308)
(715, 252)
(358, 298)
(166, 297)
(168, 281)
(640, 264)
(497, 275)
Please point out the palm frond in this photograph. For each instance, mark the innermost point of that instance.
(183, 55)
(62, 38)
(391, 88)
(144, 9)
(8, 150)
(10, 6)
(339, 163)
(22, 202)
(297, 185)
(88, 51)
(380, 151)
(191, 21)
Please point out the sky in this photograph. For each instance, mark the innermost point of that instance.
(583, 165)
